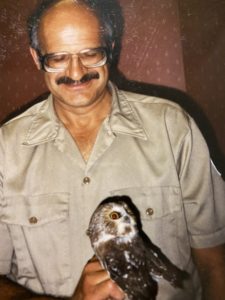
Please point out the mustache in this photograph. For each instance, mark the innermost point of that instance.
(87, 77)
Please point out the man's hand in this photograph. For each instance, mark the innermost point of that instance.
(95, 284)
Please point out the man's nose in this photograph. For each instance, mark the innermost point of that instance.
(75, 69)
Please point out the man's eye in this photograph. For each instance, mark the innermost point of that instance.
(89, 54)
(58, 58)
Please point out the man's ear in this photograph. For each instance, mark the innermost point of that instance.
(35, 57)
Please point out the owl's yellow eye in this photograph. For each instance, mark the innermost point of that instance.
(115, 215)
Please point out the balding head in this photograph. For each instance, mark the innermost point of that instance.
(108, 13)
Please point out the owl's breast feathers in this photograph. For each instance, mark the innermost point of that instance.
(127, 266)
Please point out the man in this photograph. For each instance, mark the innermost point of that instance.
(88, 141)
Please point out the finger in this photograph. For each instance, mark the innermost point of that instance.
(96, 276)
(94, 273)
(101, 279)
(108, 289)
(93, 265)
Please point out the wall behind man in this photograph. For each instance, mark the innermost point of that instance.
(170, 45)
(19, 80)
(203, 39)
(152, 49)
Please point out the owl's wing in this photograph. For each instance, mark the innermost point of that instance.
(126, 265)
(161, 267)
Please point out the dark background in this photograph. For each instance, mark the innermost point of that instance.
(173, 49)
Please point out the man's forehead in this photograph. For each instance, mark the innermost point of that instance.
(66, 12)
(65, 26)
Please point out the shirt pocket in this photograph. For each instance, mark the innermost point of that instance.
(39, 230)
(162, 219)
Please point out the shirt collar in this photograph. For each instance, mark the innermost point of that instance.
(45, 124)
(122, 120)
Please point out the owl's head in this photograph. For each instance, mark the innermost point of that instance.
(112, 219)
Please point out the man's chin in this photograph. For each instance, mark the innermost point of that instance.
(74, 102)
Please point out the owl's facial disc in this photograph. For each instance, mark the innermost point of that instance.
(112, 221)
(123, 220)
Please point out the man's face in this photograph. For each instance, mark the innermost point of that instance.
(72, 28)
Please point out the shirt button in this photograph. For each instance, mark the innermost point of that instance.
(33, 220)
(86, 180)
(149, 211)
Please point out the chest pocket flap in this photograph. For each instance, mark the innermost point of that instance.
(153, 202)
(35, 210)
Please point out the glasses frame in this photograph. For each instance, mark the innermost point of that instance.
(101, 63)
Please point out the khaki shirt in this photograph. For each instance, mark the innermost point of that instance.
(148, 149)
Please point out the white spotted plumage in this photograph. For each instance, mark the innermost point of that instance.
(120, 245)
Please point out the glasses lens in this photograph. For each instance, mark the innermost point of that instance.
(93, 57)
(57, 61)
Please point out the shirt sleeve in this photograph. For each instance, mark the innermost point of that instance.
(203, 191)
(6, 248)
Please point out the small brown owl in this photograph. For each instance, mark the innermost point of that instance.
(125, 251)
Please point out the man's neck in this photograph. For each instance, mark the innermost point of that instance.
(84, 123)
(84, 117)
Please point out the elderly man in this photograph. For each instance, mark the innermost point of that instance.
(89, 140)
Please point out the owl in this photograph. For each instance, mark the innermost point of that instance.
(126, 252)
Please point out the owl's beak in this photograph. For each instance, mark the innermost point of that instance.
(127, 219)
(88, 232)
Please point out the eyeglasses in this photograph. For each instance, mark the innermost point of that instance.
(57, 62)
